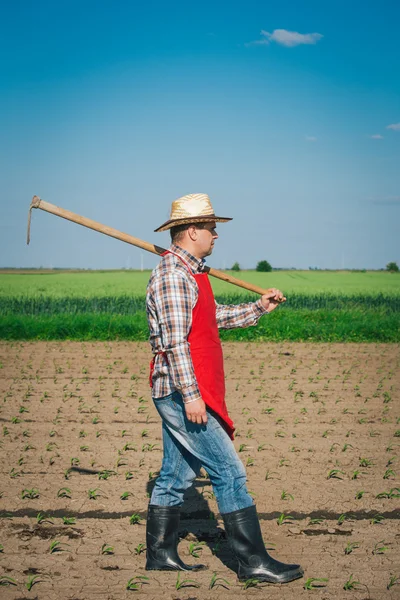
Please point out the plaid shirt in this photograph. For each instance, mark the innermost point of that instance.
(171, 296)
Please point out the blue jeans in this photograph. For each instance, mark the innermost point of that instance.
(187, 448)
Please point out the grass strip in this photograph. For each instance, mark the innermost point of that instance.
(39, 304)
(283, 325)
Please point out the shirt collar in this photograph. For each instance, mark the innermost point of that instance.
(195, 264)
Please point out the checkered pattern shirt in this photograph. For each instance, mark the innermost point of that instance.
(171, 296)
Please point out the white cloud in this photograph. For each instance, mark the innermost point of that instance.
(376, 136)
(287, 38)
(394, 126)
(311, 138)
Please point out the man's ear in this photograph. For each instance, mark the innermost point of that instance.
(192, 232)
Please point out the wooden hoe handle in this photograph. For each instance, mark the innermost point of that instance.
(129, 239)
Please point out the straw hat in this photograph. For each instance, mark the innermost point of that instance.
(192, 208)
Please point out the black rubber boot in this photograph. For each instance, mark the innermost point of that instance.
(162, 540)
(244, 534)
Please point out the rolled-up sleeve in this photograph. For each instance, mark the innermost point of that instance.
(246, 314)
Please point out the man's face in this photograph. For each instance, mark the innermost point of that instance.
(205, 238)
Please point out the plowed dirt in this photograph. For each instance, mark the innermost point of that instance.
(318, 429)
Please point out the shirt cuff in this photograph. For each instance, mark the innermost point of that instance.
(190, 392)
(259, 308)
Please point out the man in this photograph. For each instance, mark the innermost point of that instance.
(188, 389)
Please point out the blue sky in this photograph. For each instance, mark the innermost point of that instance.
(286, 113)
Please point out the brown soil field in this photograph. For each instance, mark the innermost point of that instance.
(318, 428)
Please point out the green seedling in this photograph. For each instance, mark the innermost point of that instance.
(380, 548)
(394, 579)
(351, 584)
(14, 473)
(351, 546)
(139, 549)
(284, 519)
(5, 580)
(312, 583)
(69, 520)
(359, 494)
(41, 518)
(84, 448)
(335, 474)
(184, 583)
(389, 473)
(134, 519)
(75, 461)
(218, 581)
(30, 494)
(64, 492)
(243, 447)
(346, 446)
(366, 462)
(129, 475)
(129, 446)
(23, 409)
(106, 549)
(57, 546)
(317, 521)
(195, 549)
(125, 495)
(94, 493)
(286, 496)
(249, 583)
(377, 519)
(32, 579)
(1, 548)
(136, 583)
(250, 462)
(392, 493)
(106, 474)
(343, 517)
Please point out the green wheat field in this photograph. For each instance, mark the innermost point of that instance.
(321, 306)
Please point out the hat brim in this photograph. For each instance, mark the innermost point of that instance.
(189, 220)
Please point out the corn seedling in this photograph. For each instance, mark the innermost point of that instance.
(351, 546)
(218, 581)
(57, 546)
(284, 519)
(139, 549)
(134, 519)
(185, 582)
(316, 521)
(393, 581)
(250, 462)
(392, 493)
(249, 583)
(380, 548)
(377, 519)
(30, 494)
(1, 548)
(41, 518)
(106, 474)
(125, 495)
(195, 549)
(335, 474)
(359, 495)
(343, 517)
(351, 584)
(64, 492)
(5, 580)
(286, 496)
(135, 583)
(32, 579)
(312, 583)
(69, 520)
(106, 549)
(389, 473)
(243, 447)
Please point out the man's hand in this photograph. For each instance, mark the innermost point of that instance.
(272, 298)
(196, 411)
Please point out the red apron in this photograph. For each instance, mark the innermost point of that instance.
(206, 350)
